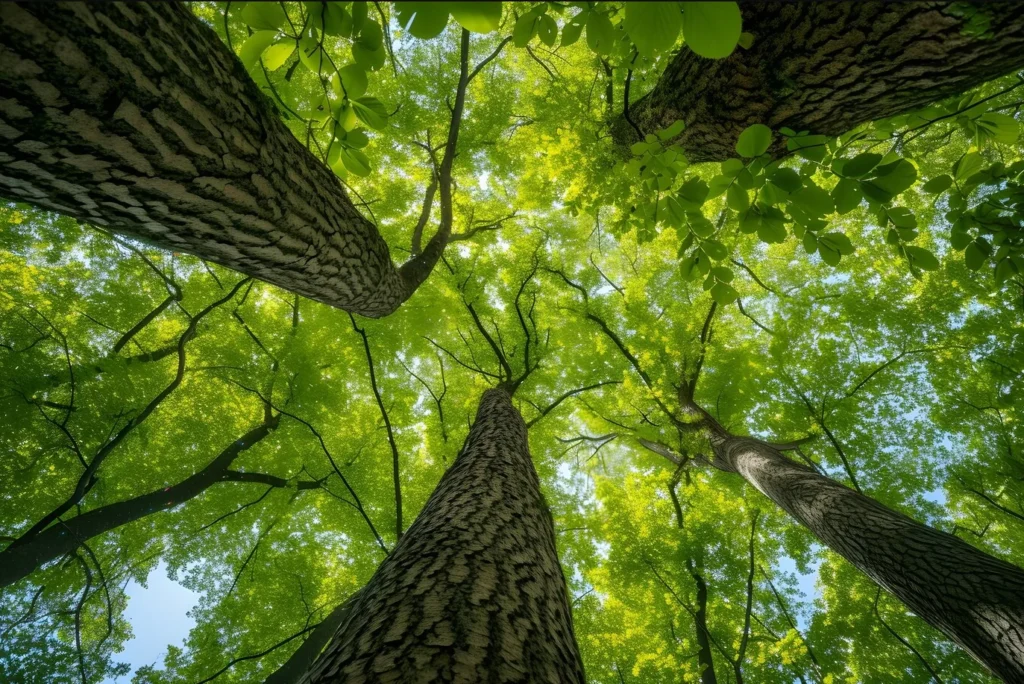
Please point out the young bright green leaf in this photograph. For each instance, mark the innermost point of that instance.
(254, 46)
(479, 17)
(968, 165)
(350, 81)
(371, 112)
(275, 56)
(711, 29)
(652, 26)
(355, 161)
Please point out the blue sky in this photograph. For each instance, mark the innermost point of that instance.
(159, 617)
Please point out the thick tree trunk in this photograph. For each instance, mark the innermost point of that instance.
(28, 553)
(827, 67)
(474, 591)
(973, 598)
(136, 117)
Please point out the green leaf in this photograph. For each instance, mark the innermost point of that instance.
(786, 179)
(846, 195)
(722, 273)
(938, 184)
(355, 161)
(770, 231)
(571, 31)
(838, 242)
(693, 193)
(479, 17)
(525, 29)
(974, 257)
(547, 29)
(357, 138)
(371, 112)
(724, 294)
(711, 29)
(814, 200)
(896, 177)
(968, 165)
(672, 131)
(921, 258)
(275, 56)
(689, 268)
(812, 147)
(423, 20)
(810, 242)
(313, 57)
(902, 217)
(737, 198)
(264, 16)
(714, 249)
(754, 141)
(828, 255)
(600, 34)
(350, 81)
(254, 46)
(334, 20)
(652, 26)
(1003, 128)
(861, 164)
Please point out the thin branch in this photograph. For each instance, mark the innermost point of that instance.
(395, 472)
(903, 641)
(571, 393)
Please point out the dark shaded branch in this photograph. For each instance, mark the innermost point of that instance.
(895, 634)
(297, 664)
(571, 393)
(254, 656)
(143, 322)
(395, 471)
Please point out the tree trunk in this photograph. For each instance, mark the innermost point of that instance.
(28, 553)
(974, 599)
(136, 117)
(474, 591)
(827, 67)
(700, 619)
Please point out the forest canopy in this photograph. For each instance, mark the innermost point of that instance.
(463, 341)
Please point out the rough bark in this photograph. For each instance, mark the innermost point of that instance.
(22, 557)
(827, 67)
(474, 591)
(137, 118)
(974, 599)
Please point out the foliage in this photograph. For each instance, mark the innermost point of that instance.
(817, 283)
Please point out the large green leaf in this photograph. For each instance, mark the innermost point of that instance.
(652, 26)
(711, 29)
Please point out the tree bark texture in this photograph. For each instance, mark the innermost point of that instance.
(474, 591)
(26, 554)
(136, 117)
(827, 67)
(974, 599)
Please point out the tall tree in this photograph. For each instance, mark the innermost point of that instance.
(827, 68)
(171, 141)
(477, 574)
